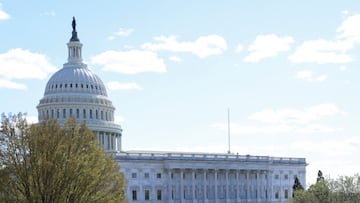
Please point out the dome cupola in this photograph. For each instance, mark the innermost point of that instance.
(75, 91)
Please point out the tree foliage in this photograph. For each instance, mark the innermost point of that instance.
(345, 189)
(47, 162)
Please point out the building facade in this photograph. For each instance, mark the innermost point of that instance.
(75, 91)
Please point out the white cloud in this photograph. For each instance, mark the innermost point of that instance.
(266, 46)
(343, 68)
(286, 121)
(23, 64)
(322, 51)
(239, 48)
(129, 62)
(49, 13)
(175, 59)
(307, 75)
(291, 115)
(32, 119)
(115, 85)
(119, 119)
(11, 85)
(3, 14)
(349, 29)
(122, 32)
(202, 47)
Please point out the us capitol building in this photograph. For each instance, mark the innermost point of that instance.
(174, 177)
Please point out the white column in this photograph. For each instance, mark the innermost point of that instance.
(205, 185)
(216, 185)
(181, 185)
(237, 187)
(227, 185)
(247, 185)
(193, 183)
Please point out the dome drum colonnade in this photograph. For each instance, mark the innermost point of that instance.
(75, 91)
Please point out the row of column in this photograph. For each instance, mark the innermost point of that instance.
(210, 185)
(109, 141)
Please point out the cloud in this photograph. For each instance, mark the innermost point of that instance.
(11, 85)
(266, 46)
(202, 47)
(239, 48)
(48, 13)
(322, 51)
(32, 119)
(307, 75)
(122, 32)
(286, 120)
(129, 62)
(175, 59)
(291, 115)
(119, 119)
(349, 29)
(23, 64)
(114, 85)
(343, 68)
(3, 14)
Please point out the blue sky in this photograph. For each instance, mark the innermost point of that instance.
(288, 71)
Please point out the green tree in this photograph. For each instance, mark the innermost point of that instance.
(47, 162)
(345, 189)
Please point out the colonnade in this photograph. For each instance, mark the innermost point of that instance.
(218, 185)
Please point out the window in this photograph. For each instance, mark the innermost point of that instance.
(77, 113)
(146, 175)
(64, 113)
(134, 195)
(57, 114)
(52, 113)
(286, 193)
(277, 195)
(84, 113)
(172, 176)
(158, 195)
(102, 115)
(90, 114)
(96, 114)
(133, 175)
(147, 194)
(286, 177)
(70, 112)
(158, 175)
(276, 176)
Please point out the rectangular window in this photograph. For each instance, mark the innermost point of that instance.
(70, 112)
(147, 194)
(84, 113)
(77, 113)
(133, 175)
(277, 195)
(102, 115)
(286, 193)
(134, 195)
(276, 176)
(146, 175)
(57, 114)
(64, 113)
(158, 195)
(90, 114)
(96, 114)
(286, 177)
(52, 113)
(158, 175)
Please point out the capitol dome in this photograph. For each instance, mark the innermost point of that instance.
(75, 91)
